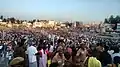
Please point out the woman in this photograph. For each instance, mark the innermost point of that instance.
(43, 57)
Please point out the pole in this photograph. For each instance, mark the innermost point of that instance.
(3, 34)
(53, 39)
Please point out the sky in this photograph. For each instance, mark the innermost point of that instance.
(80, 10)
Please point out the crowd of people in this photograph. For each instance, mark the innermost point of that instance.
(41, 49)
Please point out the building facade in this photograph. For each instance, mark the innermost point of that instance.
(118, 27)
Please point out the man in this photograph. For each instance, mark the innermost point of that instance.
(4, 49)
(105, 57)
(31, 51)
(59, 58)
(51, 48)
(68, 60)
(81, 54)
(116, 55)
(1, 50)
(93, 61)
(99, 48)
(19, 51)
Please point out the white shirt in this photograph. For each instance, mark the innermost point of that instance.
(111, 52)
(1, 47)
(31, 51)
(51, 49)
(15, 42)
(43, 59)
(115, 54)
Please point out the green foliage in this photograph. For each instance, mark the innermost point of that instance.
(113, 20)
(1, 17)
(106, 20)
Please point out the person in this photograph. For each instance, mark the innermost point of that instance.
(51, 48)
(53, 65)
(19, 51)
(4, 49)
(1, 53)
(99, 48)
(111, 51)
(17, 62)
(1, 47)
(74, 51)
(68, 60)
(116, 55)
(69, 50)
(105, 57)
(43, 57)
(31, 51)
(59, 58)
(93, 61)
(81, 55)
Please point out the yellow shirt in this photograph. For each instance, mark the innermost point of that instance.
(93, 62)
(49, 62)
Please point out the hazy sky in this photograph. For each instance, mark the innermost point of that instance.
(84, 10)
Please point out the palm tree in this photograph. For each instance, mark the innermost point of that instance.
(1, 17)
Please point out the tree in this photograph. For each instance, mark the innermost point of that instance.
(117, 18)
(1, 17)
(38, 20)
(18, 21)
(34, 20)
(8, 19)
(30, 22)
(111, 19)
(106, 21)
(4, 20)
(12, 20)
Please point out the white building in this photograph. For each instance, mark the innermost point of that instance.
(45, 23)
(52, 23)
(29, 24)
(105, 27)
(24, 23)
(0, 20)
(37, 24)
(118, 27)
(9, 25)
(62, 25)
(77, 24)
(3, 23)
